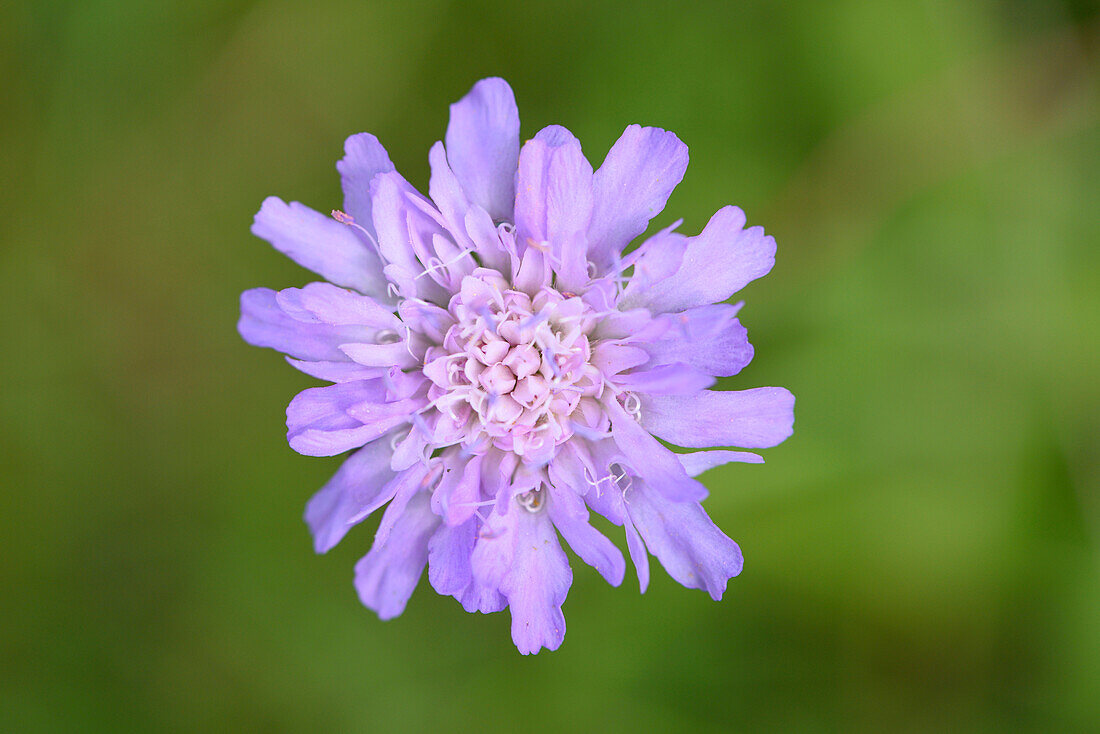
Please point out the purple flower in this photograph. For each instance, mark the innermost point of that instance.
(501, 368)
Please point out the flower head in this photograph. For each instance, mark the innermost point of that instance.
(501, 367)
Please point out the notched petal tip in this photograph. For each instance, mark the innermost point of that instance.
(483, 145)
(631, 187)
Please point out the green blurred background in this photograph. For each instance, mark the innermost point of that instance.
(922, 555)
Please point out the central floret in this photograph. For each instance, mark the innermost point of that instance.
(512, 368)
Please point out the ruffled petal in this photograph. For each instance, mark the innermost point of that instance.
(537, 583)
(496, 544)
(407, 239)
(483, 146)
(554, 201)
(325, 421)
(326, 303)
(451, 573)
(329, 248)
(659, 257)
(698, 462)
(570, 517)
(403, 488)
(264, 324)
(667, 379)
(753, 419)
(386, 577)
(685, 540)
(364, 158)
(717, 263)
(638, 555)
(447, 193)
(356, 490)
(449, 557)
(336, 371)
(631, 187)
(708, 338)
(477, 597)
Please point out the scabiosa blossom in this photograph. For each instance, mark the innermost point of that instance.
(501, 368)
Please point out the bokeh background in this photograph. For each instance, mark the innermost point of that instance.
(922, 555)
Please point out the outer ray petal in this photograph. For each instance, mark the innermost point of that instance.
(386, 577)
(685, 540)
(708, 338)
(717, 263)
(364, 158)
(570, 517)
(631, 187)
(698, 462)
(263, 323)
(483, 145)
(536, 583)
(554, 201)
(357, 489)
(752, 419)
(321, 244)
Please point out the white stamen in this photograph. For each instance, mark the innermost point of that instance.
(434, 263)
(483, 503)
(594, 483)
(344, 218)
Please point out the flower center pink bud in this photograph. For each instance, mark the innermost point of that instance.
(497, 380)
(517, 365)
(523, 360)
(531, 391)
(504, 410)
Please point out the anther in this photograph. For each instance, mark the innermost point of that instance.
(345, 218)
(631, 404)
(531, 501)
(620, 477)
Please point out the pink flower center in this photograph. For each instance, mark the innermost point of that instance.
(513, 368)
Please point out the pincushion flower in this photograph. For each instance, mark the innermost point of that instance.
(501, 367)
